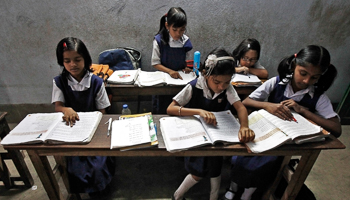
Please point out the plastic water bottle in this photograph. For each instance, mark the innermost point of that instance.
(126, 110)
(196, 62)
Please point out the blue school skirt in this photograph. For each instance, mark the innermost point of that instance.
(87, 174)
(204, 166)
(255, 171)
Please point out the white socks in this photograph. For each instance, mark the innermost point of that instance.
(189, 182)
(247, 194)
(186, 184)
(215, 187)
(233, 188)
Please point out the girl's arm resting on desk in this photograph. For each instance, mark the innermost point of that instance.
(69, 115)
(103, 111)
(261, 73)
(332, 124)
(241, 69)
(175, 109)
(245, 133)
(282, 110)
(172, 73)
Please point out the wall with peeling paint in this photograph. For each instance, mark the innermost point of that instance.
(30, 31)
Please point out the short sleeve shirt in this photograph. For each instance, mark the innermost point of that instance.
(172, 43)
(323, 106)
(185, 95)
(101, 99)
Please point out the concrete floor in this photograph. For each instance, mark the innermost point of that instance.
(158, 178)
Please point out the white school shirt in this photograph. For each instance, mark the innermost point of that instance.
(172, 43)
(185, 95)
(101, 99)
(323, 107)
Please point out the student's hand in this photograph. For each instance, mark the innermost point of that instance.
(246, 134)
(70, 116)
(174, 74)
(290, 103)
(208, 117)
(187, 70)
(280, 111)
(242, 69)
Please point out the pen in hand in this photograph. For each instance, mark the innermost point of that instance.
(295, 120)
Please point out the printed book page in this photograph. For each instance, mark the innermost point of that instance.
(129, 132)
(249, 78)
(186, 78)
(34, 128)
(49, 127)
(82, 131)
(181, 133)
(151, 78)
(151, 124)
(227, 127)
(293, 129)
(267, 135)
(124, 76)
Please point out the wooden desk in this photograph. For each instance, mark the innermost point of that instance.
(124, 92)
(100, 146)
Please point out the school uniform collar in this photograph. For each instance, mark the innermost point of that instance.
(182, 40)
(289, 90)
(84, 82)
(202, 84)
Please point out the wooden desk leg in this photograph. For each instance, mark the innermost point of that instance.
(62, 169)
(303, 169)
(18, 160)
(269, 194)
(45, 173)
(5, 174)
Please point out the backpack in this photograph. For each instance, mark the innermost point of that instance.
(121, 58)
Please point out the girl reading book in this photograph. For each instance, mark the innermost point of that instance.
(212, 91)
(76, 89)
(303, 79)
(170, 51)
(247, 54)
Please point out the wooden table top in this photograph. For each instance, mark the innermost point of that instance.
(100, 145)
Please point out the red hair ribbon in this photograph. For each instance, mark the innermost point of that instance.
(64, 45)
(295, 55)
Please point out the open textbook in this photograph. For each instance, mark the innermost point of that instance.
(241, 80)
(271, 131)
(181, 133)
(134, 132)
(124, 76)
(49, 128)
(159, 78)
